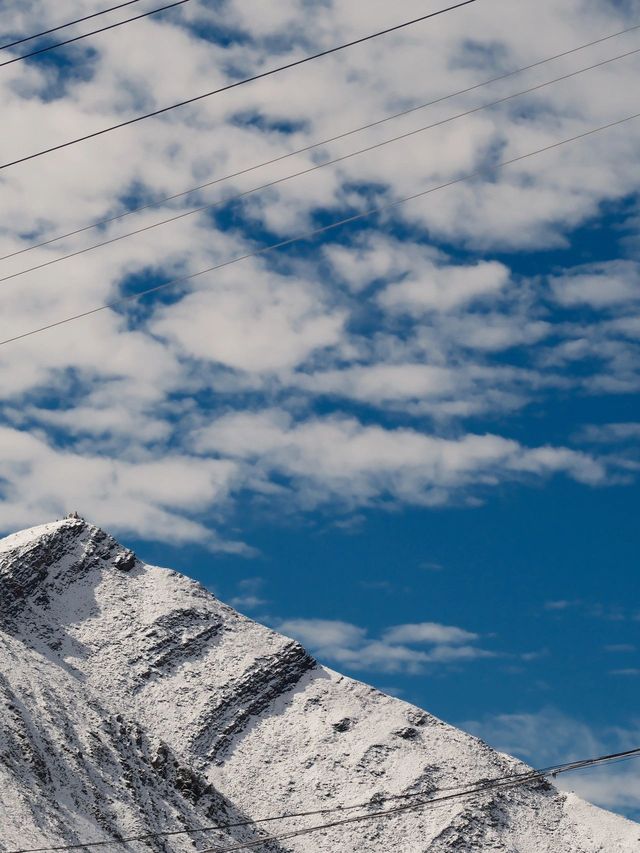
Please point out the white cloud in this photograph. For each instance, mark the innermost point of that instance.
(610, 284)
(421, 279)
(257, 322)
(385, 383)
(549, 737)
(393, 322)
(153, 498)
(522, 207)
(340, 458)
(429, 632)
(323, 633)
(610, 433)
(444, 288)
(350, 646)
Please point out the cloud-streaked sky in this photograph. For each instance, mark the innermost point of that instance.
(451, 383)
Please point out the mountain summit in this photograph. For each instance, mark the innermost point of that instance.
(132, 701)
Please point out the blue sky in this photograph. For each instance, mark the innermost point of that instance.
(411, 442)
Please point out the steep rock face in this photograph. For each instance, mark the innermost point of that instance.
(72, 768)
(133, 701)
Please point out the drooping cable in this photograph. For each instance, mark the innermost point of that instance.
(312, 146)
(48, 32)
(315, 232)
(436, 801)
(460, 791)
(105, 29)
(233, 85)
(278, 181)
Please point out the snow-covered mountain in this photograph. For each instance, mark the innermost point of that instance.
(133, 701)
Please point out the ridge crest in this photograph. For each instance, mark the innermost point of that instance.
(71, 546)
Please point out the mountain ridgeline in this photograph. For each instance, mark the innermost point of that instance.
(132, 701)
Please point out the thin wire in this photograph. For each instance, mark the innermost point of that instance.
(92, 33)
(223, 827)
(314, 168)
(287, 816)
(499, 785)
(317, 231)
(234, 85)
(69, 24)
(464, 790)
(347, 133)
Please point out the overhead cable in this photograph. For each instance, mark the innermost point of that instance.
(480, 786)
(223, 827)
(92, 33)
(479, 789)
(24, 39)
(276, 182)
(313, 145)
(234, 85)
(131, 297)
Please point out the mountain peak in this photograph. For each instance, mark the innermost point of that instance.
(133, 701)
(30, 535)
(55, 553)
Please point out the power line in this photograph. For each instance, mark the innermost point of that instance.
(317, 231)
(92, 33)
(68, 24)
(226, 826)
(373, 801)
(481, 786)
(498, 785)
(313, 145)
(315, 168)
(234, 85)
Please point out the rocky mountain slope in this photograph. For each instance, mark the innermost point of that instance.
(133, 701)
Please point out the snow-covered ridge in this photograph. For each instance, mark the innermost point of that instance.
(132, 700)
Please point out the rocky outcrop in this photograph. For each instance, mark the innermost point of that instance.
(133, 701)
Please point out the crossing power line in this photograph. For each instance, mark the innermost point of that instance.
(437, 801)
(235, 84)
(48, 32)
(414, 799)
(245, 194)
(122, 300)
(49, 47)
(376, 801)
(158, 202)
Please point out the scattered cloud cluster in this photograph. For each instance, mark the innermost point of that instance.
(592, 609)
(377, 365)
(550, 737)
(340, 458)
(604, 285)
(410, 649)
